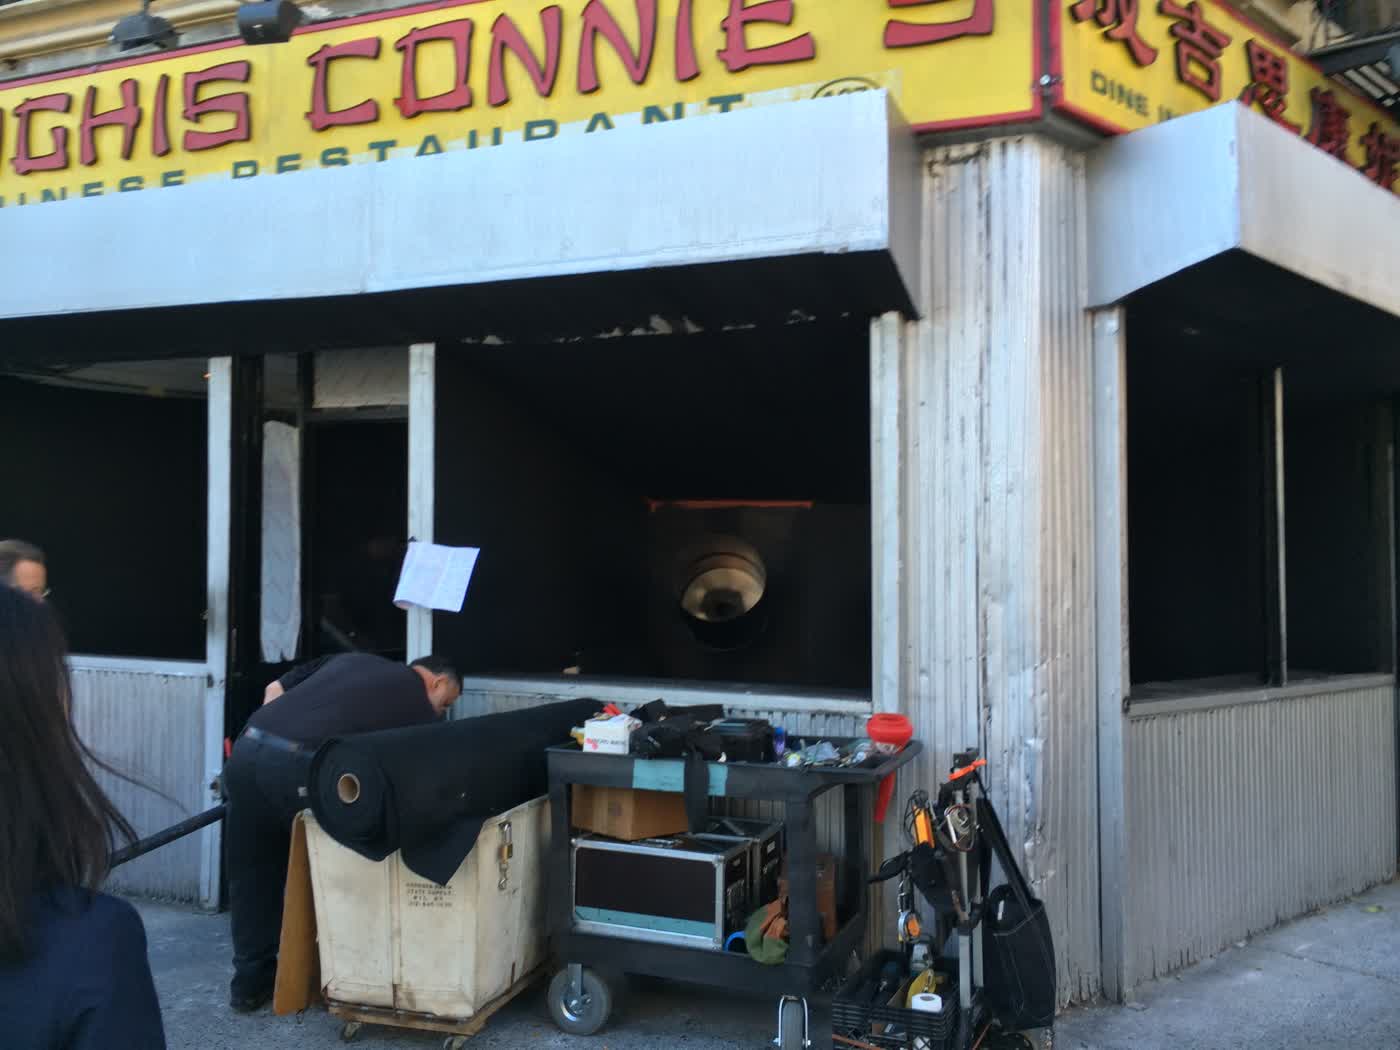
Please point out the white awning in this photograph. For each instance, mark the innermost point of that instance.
(832, 179)
(1227, 179)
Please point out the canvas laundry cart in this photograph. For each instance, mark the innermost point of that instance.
(393, 948)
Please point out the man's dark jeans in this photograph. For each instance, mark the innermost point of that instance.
(264, 784)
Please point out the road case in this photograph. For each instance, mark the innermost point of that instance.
(689, 890)
(765, 840)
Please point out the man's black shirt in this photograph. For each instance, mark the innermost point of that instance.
(344, 694)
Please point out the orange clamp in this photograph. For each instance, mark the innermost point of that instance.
(958, 774)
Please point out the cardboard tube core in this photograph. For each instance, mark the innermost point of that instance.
(348, 788)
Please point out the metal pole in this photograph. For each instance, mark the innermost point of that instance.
(169, 835)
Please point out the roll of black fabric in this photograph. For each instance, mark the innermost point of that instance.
(428, 790)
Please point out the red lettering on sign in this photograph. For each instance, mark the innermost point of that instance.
(160, 117)
(506, 36)
(1382, 163)
(1120, 19)
(1268, 84)
(127, 116)
(56, 159)
(235, 102)
(1199, 46)
(737, 55)
(459, 96)
(597, 19)
(916, 34)
(687, 61)
(321, 115)
(1330, 129)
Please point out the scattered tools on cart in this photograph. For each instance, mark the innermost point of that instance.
(665, 908)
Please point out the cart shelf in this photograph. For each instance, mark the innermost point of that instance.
(745, 780)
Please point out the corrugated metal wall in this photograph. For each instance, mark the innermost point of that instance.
(814, 718)
(996, 530)
(1241, 817)
(149, 726)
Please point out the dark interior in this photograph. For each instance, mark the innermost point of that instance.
(112, 487)
(591, 474)
(1338, 518)
(1201, 347)
(358, 534)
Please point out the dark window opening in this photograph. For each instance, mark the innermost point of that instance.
(1197, 520)
(1260, 513)
(687, 507)
(111, 485)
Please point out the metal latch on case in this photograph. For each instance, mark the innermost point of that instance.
(504, 853)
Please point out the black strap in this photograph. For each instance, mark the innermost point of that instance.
(991, 828)
(697, 791)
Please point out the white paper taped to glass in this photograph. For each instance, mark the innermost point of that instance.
(435, 577)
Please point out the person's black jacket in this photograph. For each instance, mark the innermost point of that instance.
(86, 984)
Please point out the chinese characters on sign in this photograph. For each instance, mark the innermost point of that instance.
(1120, 20)
(1330, 129)
(1199, 46)
(1382, 156)
(1127, 64)
(1268, 84)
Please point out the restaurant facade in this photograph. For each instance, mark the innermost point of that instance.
(1039, 357)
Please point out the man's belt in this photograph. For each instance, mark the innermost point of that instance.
(272, 740)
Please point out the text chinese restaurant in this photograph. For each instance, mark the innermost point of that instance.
(1028, 364)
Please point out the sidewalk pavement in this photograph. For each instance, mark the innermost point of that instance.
(1331, 978)
(190, 955)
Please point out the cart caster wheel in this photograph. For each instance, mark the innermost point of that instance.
(350, 1030)
(579, 1014)
(792, 1025)
(454, 1042)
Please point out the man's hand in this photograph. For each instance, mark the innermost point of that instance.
(272, 692)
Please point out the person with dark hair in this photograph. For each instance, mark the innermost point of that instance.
(265, 782)
(73, 968)
(23, 567)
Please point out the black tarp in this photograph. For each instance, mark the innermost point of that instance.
(428, 790)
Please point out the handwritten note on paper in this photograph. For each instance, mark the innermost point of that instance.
(435, 577)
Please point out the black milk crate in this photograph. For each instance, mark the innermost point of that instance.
(892, 1027)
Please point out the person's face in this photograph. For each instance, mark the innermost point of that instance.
(31, 578)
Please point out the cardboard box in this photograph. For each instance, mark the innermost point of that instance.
(609, 736)
(627, 814)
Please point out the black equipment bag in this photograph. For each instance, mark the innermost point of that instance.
(1018, 952)
(745, 739)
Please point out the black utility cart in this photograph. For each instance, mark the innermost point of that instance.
(580, 998)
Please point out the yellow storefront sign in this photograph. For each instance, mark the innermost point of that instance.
(480, 73)
(1127, 64)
